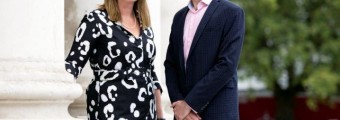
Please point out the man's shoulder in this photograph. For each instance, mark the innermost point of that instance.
(181, 12)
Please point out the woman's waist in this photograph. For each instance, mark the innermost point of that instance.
(119, 74)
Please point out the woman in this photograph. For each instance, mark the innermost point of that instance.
(118, 41)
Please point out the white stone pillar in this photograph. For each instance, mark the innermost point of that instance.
(160, 41)
(33, 82)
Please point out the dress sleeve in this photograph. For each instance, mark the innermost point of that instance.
(155, 81)
(83, 44)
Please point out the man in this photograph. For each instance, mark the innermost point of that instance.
(202, 58)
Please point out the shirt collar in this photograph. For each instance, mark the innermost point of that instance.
(206, 2)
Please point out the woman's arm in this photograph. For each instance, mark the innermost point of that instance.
(83, 44)
(159, 108)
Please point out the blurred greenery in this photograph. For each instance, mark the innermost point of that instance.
(293, 46)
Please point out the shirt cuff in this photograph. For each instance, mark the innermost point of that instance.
(192, 109)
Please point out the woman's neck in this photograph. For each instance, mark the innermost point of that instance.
(126, 8)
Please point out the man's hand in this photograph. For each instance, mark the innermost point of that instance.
(181, 109)
(192, 116)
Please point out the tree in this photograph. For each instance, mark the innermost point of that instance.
(293, 46)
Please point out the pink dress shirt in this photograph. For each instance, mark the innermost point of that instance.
(192, 21)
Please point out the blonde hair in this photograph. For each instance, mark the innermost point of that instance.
(140, 6)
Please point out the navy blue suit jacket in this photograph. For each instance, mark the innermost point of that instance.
(208, 82)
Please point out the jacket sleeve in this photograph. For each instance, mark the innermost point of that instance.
(222, 72)
(83, 44)
(171, 72)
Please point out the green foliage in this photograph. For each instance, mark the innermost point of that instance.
(322, 85)
(299, 39)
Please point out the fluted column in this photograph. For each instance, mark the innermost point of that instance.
(33, 82)
(159, 25)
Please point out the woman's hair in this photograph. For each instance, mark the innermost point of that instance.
(140, 6)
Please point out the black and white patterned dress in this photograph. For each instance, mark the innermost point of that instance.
(124, 78)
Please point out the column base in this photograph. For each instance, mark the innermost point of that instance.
(77, 109)
(36, 90)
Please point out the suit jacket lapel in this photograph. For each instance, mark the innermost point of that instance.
(206, 17)
(181, 33)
